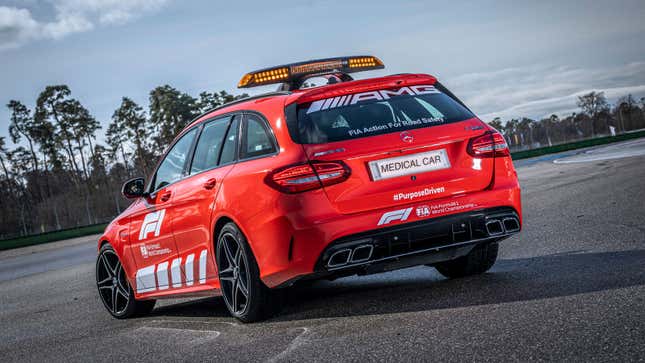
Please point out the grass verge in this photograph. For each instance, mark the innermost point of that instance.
(576, 145)
(51, 236)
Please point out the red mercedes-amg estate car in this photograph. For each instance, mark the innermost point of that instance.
(352, 177)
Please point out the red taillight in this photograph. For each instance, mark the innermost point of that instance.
(308, 176)
(488, 145)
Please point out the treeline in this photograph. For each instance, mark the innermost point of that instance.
(596, 118)
(61, 177)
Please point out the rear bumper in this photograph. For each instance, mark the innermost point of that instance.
(431, 235)
(297, 243)
(417, 243)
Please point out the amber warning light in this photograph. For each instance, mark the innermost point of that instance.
(294, 74)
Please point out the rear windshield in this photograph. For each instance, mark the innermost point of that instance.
(376, 112)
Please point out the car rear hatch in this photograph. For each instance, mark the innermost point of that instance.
(404, 139)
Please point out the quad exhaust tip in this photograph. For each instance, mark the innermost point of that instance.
(495, 227)
(340, 258)
(511, 224)
(361, 253)
(347, 256)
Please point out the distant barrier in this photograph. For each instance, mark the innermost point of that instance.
(576, 145)
(51, 236)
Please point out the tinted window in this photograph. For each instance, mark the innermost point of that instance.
(376, 112)
(229, 150)
(257, 140)
(172, 167)
(209, 145)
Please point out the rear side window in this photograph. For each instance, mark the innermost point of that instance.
(376, 112)
(257, 141)
(209, 145)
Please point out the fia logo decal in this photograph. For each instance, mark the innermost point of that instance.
(151, 224)
(423, 211)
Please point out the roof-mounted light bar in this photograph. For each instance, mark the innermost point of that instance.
(293, 75)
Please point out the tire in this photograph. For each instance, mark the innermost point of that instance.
(477, 261)
(245, 295)
(114, 290)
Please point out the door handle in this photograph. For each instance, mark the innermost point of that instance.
(210, 183)
(165, 196)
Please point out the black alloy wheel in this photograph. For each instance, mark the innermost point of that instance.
(114, 289)
(245, 295)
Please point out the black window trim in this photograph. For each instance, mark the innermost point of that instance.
(267, 128)
(237, 116)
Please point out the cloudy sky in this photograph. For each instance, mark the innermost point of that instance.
(503, 58)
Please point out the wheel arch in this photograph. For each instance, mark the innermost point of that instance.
(220, 221)
(219, 224)
(103, 242)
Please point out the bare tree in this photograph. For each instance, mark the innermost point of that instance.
(592, 104)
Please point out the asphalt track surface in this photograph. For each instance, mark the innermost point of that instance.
(570, 287)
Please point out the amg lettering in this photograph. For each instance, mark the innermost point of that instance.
(424, 90)
(366, 96)
(334, 102)
(387, 93)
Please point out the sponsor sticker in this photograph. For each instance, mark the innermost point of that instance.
(151, 224)
(144, 251)
(418, 194)
(423, 211)
(153, 250)
(397, 215)
(450, 207)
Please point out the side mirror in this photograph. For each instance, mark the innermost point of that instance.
(134, 188)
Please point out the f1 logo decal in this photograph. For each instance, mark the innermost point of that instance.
(397, 215)
(151, 223)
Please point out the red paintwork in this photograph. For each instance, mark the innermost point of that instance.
(270, 219)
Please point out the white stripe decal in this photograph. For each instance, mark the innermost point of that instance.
(202, 267)
(341, 101)
(155, 277)
(315, 106)
(334, 102)
(175, 272)
(162, 276)
(189, 269)
(327, 103)
(146, 279)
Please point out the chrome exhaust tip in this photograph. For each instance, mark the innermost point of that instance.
(494, 227)
(340, 258)
(362, 253)
(511, 224)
